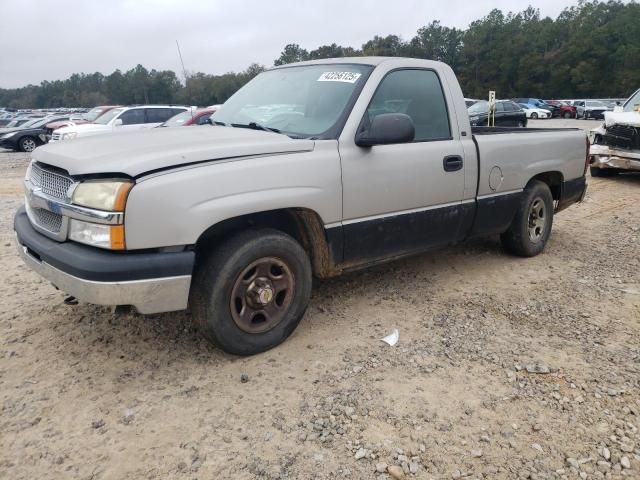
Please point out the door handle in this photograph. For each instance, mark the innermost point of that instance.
(452, 163)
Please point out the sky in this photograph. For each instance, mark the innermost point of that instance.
(53, 39)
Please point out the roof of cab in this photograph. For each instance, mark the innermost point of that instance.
(372, 61)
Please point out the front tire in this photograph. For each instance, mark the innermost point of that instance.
(534, 115)
(27, 144)
(251, 292)
(531, 227)
(566, 114)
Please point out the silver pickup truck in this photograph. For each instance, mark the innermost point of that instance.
(311, 169)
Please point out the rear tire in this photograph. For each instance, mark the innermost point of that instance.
(251, 292)
(531, 226)
(566, 114)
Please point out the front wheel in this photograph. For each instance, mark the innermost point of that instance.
(531, 227)
(27, 144)
(566, 114)
(534, 115)
(251, 292)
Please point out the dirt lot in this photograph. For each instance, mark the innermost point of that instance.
(506, 368)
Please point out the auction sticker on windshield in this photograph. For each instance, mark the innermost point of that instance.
(348, 77)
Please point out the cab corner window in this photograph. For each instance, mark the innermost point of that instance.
(418, 94)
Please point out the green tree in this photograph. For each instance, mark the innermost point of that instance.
(292, 53)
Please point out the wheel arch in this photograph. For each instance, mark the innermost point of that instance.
(553, 179)
(303, 224)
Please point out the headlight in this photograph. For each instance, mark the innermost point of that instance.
(108, 195)
(97, 235)
(69, 136)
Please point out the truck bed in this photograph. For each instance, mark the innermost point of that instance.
(510, 156)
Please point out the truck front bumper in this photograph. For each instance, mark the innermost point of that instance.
(151, 282)
(602, 156)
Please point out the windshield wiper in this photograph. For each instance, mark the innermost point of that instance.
(255, 126)
(217, 122)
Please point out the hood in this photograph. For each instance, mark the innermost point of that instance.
(65, 123)
(85, 128)
(9, 130)
(136, 152)
(28, 131)
(622, 118)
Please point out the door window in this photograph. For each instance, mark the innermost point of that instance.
(132, 117)
(499, 107)
(418, 94)
(159, 115)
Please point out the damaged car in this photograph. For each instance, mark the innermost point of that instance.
(615, 145)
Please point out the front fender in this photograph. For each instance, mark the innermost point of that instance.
(176, 207)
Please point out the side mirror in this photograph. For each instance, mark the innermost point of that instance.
(387, 128)
(618, 109)
(208, 121)
(118, 122)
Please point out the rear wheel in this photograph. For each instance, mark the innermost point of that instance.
(27, 144)
(251, 292)
(531, 227)
(566, 114)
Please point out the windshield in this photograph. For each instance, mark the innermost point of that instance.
(633, 104)
(178, 120)
(92, 114)
(478, 108)
(304, 101)
(107, 117)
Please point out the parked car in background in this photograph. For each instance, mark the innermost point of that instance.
(565, 110)
(507, 114)
(471, 101)
(190, 117)
(89, 117)
(587, 109)
(121, 119)
(616, 143)
(535, 103)
(535, 112)
(26, 139)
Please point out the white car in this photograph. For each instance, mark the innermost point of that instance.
(534, 113)
(120, 119)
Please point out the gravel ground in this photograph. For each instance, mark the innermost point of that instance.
(506, 368)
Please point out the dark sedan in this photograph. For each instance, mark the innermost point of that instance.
(507, 114)
(27, 138)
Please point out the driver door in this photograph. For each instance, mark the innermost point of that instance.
(404, 197)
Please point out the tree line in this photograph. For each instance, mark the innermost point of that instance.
(589, 50)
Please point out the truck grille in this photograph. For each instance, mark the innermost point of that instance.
(51, 183)
(622, 136)
(48, 220)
